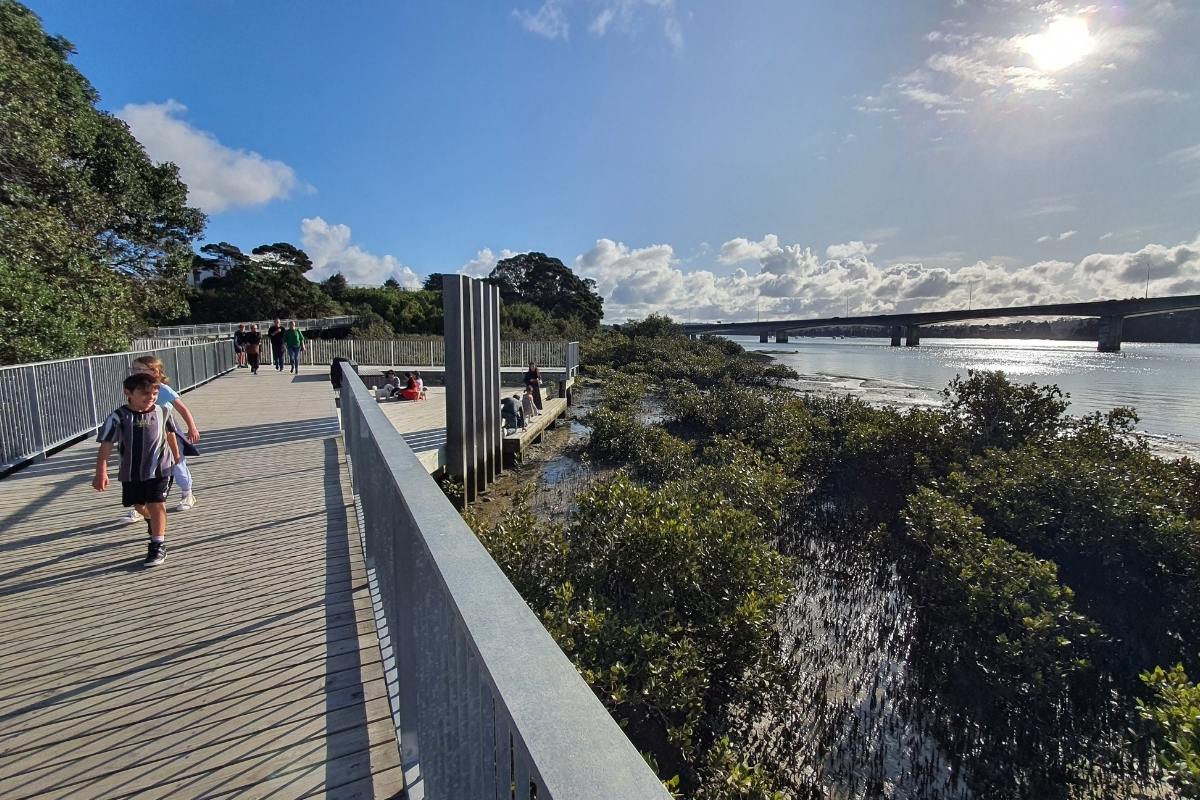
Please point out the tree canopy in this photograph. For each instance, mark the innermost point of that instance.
(547, 283)
(94, 237)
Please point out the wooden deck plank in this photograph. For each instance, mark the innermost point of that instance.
(246, 665)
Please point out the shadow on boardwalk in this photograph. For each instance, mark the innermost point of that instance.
(246, 666)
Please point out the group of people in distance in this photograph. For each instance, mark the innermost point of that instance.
(413, 388)
(516, 411)
(247, 345)
(153, 451)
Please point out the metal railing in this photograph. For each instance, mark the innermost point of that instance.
(50, 403)
(431, 352)
(487, 704)
(228, 328)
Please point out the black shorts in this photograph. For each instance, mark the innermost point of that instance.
(136, 493)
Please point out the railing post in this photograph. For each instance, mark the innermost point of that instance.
(91, 386)
(352, 350)
(35, 408)
(391, 352)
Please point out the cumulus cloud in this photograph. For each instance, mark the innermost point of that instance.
(331, 251)
(484, 262)
(850, 250)
(776, 280)
(218, 177)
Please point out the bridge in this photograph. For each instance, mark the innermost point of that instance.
(326, 625)
(1112, 314)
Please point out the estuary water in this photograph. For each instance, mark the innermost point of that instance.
(1161, 381)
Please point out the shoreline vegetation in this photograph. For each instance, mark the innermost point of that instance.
(787, 596)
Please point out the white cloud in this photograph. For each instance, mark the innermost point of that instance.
(330, 249)
(1046, 238)
(484, 262)
(1045, 207)
(218, 177)
(776, 280)
(850, 250)
(1062, 237)
(1105, 236)
(549, 21)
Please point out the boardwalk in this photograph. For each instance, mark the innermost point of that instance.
(245, 666)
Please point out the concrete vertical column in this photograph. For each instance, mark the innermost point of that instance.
(456, 310)
(764, 337)
(896, 331)
(912, 335)
(497, 447)
(781, 337)
(1110, 334)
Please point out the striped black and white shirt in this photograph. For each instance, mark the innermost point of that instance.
(142, 437)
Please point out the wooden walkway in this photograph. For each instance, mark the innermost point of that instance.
(245, 666)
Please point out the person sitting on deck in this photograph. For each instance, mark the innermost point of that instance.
(528, 408)
(510, 412)
(411, 390)
(390, 387)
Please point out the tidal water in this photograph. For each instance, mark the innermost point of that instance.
(1161, 381)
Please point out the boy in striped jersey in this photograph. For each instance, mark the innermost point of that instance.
(147, 456)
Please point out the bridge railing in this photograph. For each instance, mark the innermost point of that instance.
(487, 704)
(431, 352)
(228, 328)
(50, 403)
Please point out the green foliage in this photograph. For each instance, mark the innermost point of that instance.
(547, 283)
(246, 289)
(653, 454)
(999, 413)
(418, 312)
(528, 321)
(94, 237)
(665, 600)
(1175, 710)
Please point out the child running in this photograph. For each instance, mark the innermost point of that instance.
(148, 455)
(168, 399)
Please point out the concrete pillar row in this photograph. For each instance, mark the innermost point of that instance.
(912, 335)
(781, 337)
(1110, 334)
(897, 330)
(764, 337)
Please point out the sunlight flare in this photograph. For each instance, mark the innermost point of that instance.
(1065, 41)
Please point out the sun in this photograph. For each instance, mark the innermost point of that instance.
(1064, 42)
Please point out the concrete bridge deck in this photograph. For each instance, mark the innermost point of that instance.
(247, 665)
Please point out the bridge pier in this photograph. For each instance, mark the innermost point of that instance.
(763, 338)
(896, 331)
(912, 335)
(781, 337)
(1110, 334)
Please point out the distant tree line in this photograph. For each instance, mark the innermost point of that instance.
(1179, 326)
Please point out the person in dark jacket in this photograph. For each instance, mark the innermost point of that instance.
(253, 342)
(533, 380)
(239, 345)
(275, 334)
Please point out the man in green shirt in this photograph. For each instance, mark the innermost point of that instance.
(293, 337)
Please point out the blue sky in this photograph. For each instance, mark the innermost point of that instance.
(706, 159)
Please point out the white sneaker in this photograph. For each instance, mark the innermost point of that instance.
(186, 502)
(131, 517)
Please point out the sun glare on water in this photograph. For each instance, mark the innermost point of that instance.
(1064, 42)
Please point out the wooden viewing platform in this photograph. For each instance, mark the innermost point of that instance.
(422, 423)
(247, 665)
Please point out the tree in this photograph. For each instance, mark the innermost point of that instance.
(392, 285)
(335, 286)
(284, 255)
(94, 237)
(433, 283)
(547, 283)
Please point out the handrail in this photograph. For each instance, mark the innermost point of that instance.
(228, 328)
(431, 352)
(487, 705)
(50, 403)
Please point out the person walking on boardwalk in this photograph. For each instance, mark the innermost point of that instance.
(239, 345)
(533, 380)
(169, 400)
(253, 348)
(293, 337)
(140, 428)
(275, 334)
